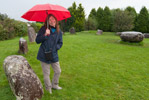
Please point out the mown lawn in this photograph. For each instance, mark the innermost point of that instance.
(93, 68)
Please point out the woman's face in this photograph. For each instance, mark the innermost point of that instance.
(52, 21)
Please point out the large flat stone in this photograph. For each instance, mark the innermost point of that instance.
(132, 36)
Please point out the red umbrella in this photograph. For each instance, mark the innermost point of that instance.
(39, 12)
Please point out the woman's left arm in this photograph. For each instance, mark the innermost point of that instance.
(60, 41)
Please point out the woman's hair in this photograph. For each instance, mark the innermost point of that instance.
(56, 26)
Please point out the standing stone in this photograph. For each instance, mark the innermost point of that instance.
(23, 48)
(23, 81)
(31, 33)
(63, 33)
(99, 32)
(132, 36)
(72, 30)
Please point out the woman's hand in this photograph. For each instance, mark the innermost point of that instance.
(47, 32)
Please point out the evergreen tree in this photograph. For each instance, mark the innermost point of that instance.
(73, 13)
(91, 22)
(100, 16)
(142, 22)
(70, 22)
(93, 13)
(107, 19)
(79, 19)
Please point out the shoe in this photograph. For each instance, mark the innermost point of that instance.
(50, 91)
(57, 87)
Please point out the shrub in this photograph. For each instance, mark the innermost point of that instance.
(20, 28)
(10, 28)
(39, 25)
(36, 26)
(2, 33)
(7, 29)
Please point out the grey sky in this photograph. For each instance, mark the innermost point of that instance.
(16, 8)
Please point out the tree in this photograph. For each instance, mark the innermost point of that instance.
(80, 19)
(77, 19)
(90, 24)
(132, 12)
(142, 22)
(91, 21)
(73, 13)
(100, 16)
(122, 21)
(107, 21)
(93, 13)
(113, 13)
(70, 22)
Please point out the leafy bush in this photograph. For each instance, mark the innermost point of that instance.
(39, 25)
(122, 21)
(3, 16)
(10, 28)
(2, 33)
(36, 26)
(7, 29)
(20, 28)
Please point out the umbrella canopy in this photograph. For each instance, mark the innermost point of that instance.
(39, 12)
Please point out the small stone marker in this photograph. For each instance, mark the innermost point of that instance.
(99, 32)
(72, 30)
(23, 48)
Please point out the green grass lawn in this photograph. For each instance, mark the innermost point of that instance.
(94, 67)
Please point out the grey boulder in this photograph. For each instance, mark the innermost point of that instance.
(132, 36)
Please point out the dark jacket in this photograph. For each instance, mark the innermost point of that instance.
(48, 42)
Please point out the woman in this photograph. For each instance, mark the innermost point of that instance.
(51, 40)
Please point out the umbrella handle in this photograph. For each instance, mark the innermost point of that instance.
(47, 19)
(47, 24)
